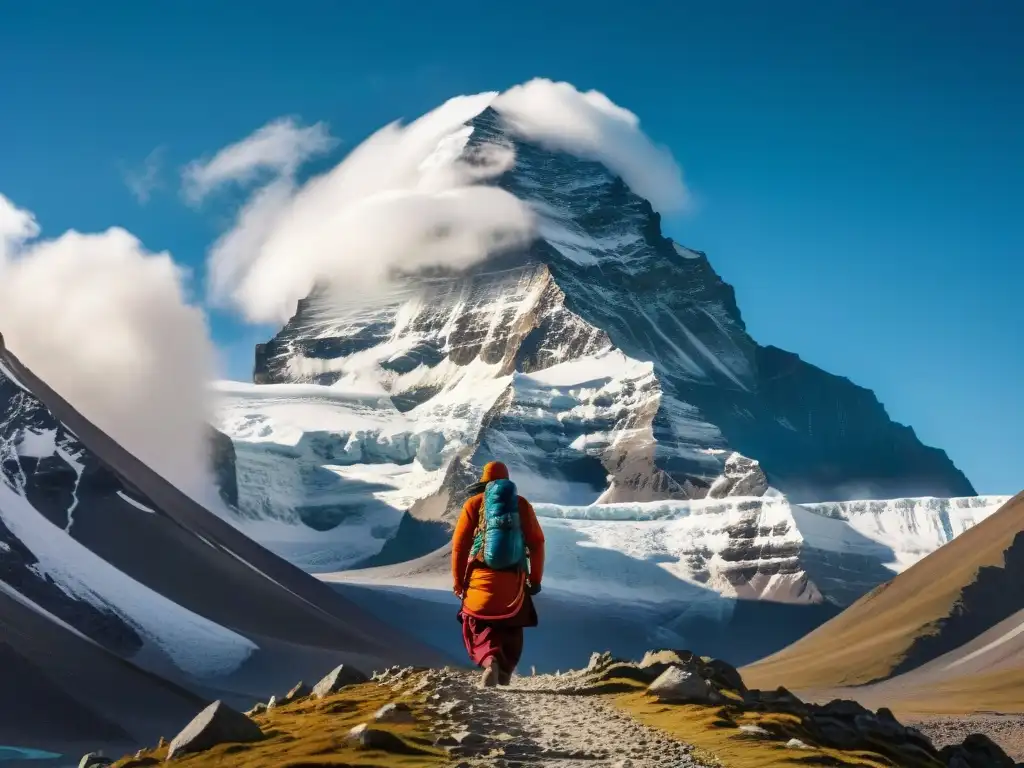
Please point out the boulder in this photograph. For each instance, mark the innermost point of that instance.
(977, 751)
(340, 677)
(373, 738)
(300, 691)
(94, 760)
(394, 713)
(779, 700)
(677, 685)
(835, 732)
(880, 728)
(667, 658)
(723, 675)
(272, 703)
(843, 709)
(258, 709)
(217, 724)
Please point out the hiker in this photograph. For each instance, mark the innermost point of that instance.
(497, 566)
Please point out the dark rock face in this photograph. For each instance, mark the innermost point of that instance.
(222, 457)
(217, 724)
(55, 486)
(603, 277)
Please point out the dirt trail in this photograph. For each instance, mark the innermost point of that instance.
(539, 721)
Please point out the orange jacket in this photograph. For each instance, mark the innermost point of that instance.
(493, 594)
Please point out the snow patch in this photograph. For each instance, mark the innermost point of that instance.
(37, 445)
(195, 644)
(128, 499)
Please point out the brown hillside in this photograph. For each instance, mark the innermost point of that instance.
(919, 615)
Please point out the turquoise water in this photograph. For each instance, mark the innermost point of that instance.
(23, 753)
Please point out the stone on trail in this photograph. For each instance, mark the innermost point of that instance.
(677, 685)
(217, 724)
(338, 678)
(258, 709)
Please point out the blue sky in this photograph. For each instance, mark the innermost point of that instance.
(856, 166)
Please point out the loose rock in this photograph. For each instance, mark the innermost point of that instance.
(217, 724)
(372, 738)
(680, 686)
(300, 691)
(340, 677)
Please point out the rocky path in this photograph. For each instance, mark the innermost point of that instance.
(539, 721)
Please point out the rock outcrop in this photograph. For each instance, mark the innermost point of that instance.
(341, 676)
(608, 356)
(217, 724)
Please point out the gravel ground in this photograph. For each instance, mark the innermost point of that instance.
(538, 721)
(1005, 730)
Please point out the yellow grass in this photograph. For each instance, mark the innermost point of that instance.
(868, 640)
(716, 734)
(312, 733)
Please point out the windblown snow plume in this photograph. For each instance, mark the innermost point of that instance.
(591, 126)
(412, 196)
(403, 198)
(107, 325)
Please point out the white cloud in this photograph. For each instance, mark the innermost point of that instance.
(107, 325)
(16, 227)
(403, 198)
(279, 147)
(591, 126)
(411, 196)
(145, 179)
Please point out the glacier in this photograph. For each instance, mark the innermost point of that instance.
(677, 464)
(758, 548)
(685, 386)
(326, 477)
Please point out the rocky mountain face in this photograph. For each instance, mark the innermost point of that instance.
(123, 601)
(603, 362)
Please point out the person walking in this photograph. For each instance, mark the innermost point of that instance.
(497, 567)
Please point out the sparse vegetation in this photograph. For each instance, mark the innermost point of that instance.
(312, 732)
(716, 732)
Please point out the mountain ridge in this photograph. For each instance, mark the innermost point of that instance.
(616, 283)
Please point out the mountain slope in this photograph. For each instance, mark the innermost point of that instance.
(101, 559)
(962, 601)
(603, 361)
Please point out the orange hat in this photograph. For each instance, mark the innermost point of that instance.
(494, 470)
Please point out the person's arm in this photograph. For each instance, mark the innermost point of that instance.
(534, 536)
(462, 542)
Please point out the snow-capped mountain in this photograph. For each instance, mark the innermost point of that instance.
(760, 548)
(603, 362)
(123, 601)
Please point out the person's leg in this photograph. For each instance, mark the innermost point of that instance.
(511, 653)
(481, 641)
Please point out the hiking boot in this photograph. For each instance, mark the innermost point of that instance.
(491, 675)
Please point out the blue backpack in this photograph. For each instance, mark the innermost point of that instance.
(499, 541)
